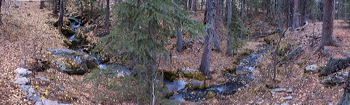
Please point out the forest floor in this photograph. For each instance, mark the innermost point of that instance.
(26, 34)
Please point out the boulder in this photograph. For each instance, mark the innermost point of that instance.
(196, 83)
(176, 85)
(336, 63)
(294, 53)
(177, 97)
(21, 72)
(49, 102)
(280, 90)
(311, 68)
(287, 98)
(73, 62)
(335, 78)
(22, 81)
(188, 71)
(290, 90)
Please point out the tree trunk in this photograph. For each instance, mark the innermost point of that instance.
(179, 45)
(242, 17)
(303, 12)
(216, 34)
(0, 12)
(185, 4)
(327, 26)
(194, 6)
(60, 19)
(345, 100)
(42, 4)
(55, 7)
(205, 63)
(295, 15)
(217, 39)
(229, 36)
(107, 17)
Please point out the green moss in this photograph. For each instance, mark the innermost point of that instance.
(195, 75)
(169, 94)
(189, 87)
(53, 76)
(170, 75)
(210, 95)
(231, 69)
(206, 85)
(322, 68)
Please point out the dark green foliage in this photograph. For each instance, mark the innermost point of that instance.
(170, 75)
(235, 28)
(142, 27)
(347, 8)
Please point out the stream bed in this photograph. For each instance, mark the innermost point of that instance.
(246, 69)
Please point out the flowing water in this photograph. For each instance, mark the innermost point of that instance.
(246, 69)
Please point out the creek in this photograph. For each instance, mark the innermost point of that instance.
(243, 74)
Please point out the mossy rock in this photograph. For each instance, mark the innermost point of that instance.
(67, 32)
(210, 95)
(170, 75)
(189, 87)
(231, 69)
(167, 95)
(195, 75)
(195, 84)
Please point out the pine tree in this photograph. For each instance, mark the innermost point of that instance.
(141, 28)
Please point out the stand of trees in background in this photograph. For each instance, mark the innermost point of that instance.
(142, 27)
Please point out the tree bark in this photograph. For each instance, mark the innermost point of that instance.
(242, 17)
(55, 7)
(216, 34)
(303, 12)
(345, 100)
(296, 20)
(0, 12)
(210, 15)
(185, 4)
(229, 36)
(194, 5)
(107, 17)
(179, 45)
(60, 19)
(327, 38)
(42, 4)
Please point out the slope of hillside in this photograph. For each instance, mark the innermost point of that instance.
(25, 34)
